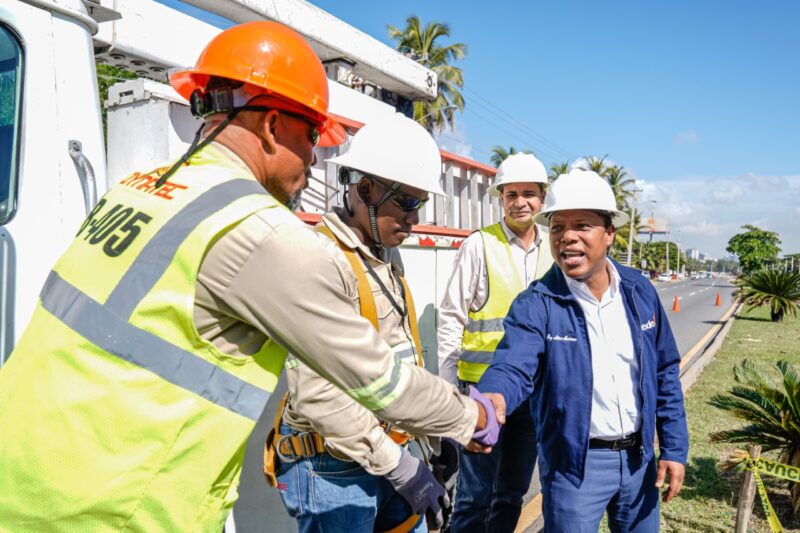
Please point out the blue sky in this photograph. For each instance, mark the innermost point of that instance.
(698, 100)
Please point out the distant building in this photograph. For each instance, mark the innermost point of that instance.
(693, 253)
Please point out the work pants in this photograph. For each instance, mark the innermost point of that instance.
(491, 486)
(615, 482)
(327, 495)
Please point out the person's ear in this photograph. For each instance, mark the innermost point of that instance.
(364, 188)
(268, 131)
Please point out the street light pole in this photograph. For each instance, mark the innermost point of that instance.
(631, 234)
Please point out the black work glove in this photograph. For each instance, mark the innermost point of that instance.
(445, 470)
(445, 464)
(412, 480)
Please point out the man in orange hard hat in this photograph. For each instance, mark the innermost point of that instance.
(132, 392)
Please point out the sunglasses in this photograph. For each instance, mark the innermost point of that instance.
(313, 133)
(405, 202)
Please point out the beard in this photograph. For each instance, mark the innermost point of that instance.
(294, 202)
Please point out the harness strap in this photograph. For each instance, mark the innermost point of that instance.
(365, 298)
(270, 451)
(412, 321)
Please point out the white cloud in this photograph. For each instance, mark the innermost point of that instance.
(689, 136)
(455, 140)
(724, 193)
(705, 211)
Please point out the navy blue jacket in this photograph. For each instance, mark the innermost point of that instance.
(545, 353)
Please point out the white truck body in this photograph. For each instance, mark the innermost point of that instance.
(54, 161)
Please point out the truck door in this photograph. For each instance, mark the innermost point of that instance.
(11, 66)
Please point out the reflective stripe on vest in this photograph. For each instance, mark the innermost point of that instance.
(484, 328)
(124, 418)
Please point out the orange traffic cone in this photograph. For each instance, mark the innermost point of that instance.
(676, 305)
(719, 300)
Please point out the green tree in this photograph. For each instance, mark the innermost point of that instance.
(421, 44)
(755, 247)
(595, 164)
(770, 408)
(622, 185)
(778, 290)
(556, 169)
(108, 75)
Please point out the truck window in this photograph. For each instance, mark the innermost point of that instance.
(11, 63)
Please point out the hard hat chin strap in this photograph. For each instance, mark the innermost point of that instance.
(198, 145)
(372, 209)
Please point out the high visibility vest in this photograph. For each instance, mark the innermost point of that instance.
(115, 414)
(484, 327)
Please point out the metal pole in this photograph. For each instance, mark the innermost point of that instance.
(630, 236)
(667, 249)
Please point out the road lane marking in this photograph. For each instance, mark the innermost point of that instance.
(692, 294)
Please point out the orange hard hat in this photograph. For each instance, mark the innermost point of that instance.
(276, 60)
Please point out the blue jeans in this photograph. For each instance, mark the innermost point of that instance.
(614, 481)
(490, 487)
(327, 495)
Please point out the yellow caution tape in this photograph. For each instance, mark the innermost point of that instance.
(771, 468)
(772, 518)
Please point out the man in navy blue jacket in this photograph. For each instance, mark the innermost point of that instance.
(591, 343)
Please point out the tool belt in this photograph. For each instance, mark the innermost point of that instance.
(304, 445)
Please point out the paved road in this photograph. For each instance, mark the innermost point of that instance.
(259, 508)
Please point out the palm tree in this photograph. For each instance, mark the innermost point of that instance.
(777, 289)
(556, 169)
(595, 164)
(621, 184)
(499, 154)
(771, 409)
(420, 44)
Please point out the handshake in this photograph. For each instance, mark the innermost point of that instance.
(425, 494)
(491, 415)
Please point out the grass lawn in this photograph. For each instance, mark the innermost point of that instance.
(708, 500)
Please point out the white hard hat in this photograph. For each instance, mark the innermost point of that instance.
(580, 189)
(519, 168)
(398, 149)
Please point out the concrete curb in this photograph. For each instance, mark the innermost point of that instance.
(694, 366)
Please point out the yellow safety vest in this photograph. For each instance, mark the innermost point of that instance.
(485, 326)
(115, 414)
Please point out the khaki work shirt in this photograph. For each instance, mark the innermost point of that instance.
(271, 276)
(350, 430)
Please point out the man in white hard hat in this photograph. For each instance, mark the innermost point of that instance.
(591, 345)
(492, 266)
(351, 476)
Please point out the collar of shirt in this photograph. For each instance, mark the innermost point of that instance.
(581, 291)
(513, 239)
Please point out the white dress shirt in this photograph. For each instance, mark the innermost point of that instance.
(616, 403)
(468, 288)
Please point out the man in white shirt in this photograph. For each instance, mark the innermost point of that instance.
(590, 345)
(492, 266)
